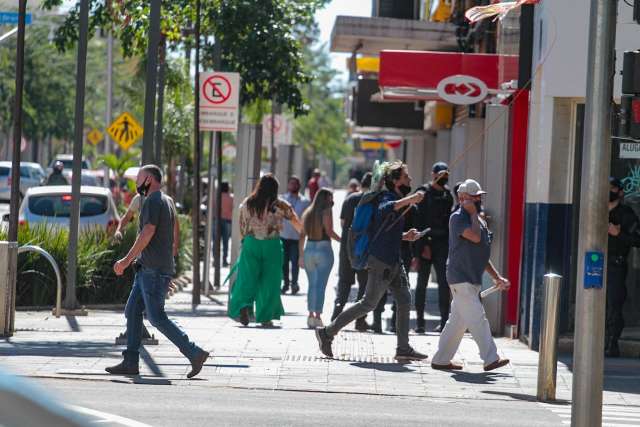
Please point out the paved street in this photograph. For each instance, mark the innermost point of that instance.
(255, 374)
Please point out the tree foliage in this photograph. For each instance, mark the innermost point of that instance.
(260, 39)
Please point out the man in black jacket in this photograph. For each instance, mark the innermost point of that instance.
(623, 228)
(433, 214)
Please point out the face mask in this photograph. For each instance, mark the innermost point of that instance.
(143, 188)
(478, 206)
(404, 189)
(613, 196)
(443, 181)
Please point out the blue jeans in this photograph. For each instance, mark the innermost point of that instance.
(148, 294)
(318, 260)
(291, 255)
(225, 235)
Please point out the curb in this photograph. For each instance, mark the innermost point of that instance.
(628, 348)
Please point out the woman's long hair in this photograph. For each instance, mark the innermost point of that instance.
(312, 216)
(263, 195)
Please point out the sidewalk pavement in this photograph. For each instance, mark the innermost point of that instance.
(287, 357)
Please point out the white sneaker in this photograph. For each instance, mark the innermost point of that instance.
(318, 322)
(311, 322)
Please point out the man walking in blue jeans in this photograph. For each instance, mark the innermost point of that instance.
(384, 264)
(153, 253)
(290, 237)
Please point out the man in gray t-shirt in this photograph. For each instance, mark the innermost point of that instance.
(469, 252)
(153, 254)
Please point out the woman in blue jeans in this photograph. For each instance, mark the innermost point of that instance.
(316, 257)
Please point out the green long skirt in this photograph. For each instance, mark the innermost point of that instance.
(259, 275)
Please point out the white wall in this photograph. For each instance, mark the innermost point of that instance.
(561, 32)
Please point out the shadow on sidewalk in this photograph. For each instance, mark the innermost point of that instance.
(386, 367)
(525, 397)
(478, 378)
(60, 349)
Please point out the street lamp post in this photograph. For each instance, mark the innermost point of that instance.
(70, 302)
(151, 81)
(588, 359)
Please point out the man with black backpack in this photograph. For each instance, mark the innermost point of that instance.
(432, 250)
(379, 247)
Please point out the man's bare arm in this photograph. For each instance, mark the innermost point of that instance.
(473, 233)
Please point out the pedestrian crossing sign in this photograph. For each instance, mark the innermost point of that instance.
(95, 136)
(125, 130)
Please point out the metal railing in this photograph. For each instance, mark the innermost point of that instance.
(37, 249)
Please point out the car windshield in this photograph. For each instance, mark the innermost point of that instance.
(59, 205)
(68, 164)
(4, 171)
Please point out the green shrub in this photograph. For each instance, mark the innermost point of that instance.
(97, 252)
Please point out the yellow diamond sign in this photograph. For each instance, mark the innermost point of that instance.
(125, 130)
(95, 136)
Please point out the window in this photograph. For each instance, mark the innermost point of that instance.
(59, 205)
(4, 171)
(24, 172)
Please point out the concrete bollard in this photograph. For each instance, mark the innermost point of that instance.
(8, 266)
(548, 356)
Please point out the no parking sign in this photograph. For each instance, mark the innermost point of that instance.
(219, 101)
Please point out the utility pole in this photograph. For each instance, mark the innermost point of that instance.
(161, 86)
(70, 302)
(108, 111)
(9, 250)
(195, 208)
(272, 160)
(588, 359)
(151, 81)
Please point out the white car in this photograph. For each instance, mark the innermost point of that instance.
(52, 205)
(31, 175)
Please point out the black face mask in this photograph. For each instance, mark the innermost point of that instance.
(613, 196)
(478, 206)
(143, 188)
(442, 180)
(404, 189)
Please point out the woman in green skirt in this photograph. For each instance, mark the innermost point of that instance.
(259, 267)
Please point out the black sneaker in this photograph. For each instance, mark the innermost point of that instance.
(284, 290)
(361, 325)
(324, 341)
(122, 369)
(376, 328)
(295, 289)
(409, 355)
(197, 363)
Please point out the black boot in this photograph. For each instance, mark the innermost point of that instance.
(285, 289)
(376, 327)
(362, 325)
(613, 349)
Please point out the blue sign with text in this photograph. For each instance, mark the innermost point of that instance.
(593, 270)
(11, 18)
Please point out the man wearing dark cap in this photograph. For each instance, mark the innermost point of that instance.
(623, 227)
(433, 215)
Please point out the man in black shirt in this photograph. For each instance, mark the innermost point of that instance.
(347, 275)
(623, 227)
(433, 214)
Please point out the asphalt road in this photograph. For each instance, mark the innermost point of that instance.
(160, 405)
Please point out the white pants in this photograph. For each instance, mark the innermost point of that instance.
(467, 312)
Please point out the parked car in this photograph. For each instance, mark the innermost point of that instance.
(52, 205)
(31, 175)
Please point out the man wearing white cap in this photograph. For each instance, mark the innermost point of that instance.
(469, 252)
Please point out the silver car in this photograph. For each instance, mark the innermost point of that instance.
(31, 175)
(52, 205)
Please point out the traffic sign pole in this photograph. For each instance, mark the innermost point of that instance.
(108, 110)
(195, 208)
(588, 359)
(70, 302)
(217, 62)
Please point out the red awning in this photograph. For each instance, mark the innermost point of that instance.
(415, 75)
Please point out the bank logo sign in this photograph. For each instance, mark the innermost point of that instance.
(462, 90)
